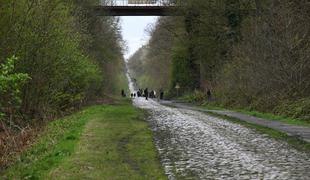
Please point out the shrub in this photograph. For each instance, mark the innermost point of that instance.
(10, 87)
(299, 109)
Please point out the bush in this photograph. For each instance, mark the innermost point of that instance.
(196, 97)
(10, 87)
(299, 109)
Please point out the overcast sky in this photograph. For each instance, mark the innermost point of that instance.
(133, 30)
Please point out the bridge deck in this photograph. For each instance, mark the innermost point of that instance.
(135, 10)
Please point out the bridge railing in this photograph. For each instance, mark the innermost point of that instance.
(140, 2)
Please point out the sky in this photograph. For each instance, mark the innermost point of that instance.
(133, 31)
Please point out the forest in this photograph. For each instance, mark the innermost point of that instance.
(55, 57)
(251, 55)
(66, 111)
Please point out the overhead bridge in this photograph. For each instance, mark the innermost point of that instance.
(138, 7)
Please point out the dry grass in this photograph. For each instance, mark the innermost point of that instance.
(13, 142)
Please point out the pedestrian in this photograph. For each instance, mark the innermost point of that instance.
(161, 94)
(134, 95)
(146, 93)
(209, 94)
(138, 93)
(123, 93)
(131, 95)
(152, 94)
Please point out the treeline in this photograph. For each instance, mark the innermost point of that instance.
(55, 56)
(151, 64)
(250, 54)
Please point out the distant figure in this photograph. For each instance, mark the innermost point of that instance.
(138, 93)
(161, 96)
(209, 95)
(146, 94)
(134, 95)
(131, 95)
(141, 92)
(123, 93)
(152, 94)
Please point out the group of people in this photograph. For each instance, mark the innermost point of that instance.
(152, 94)
(145, 93)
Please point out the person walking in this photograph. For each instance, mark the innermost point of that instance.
(146, 93)
(209, 94)
(138, 93)
(152, 94)
(123, 93)
(161, 94)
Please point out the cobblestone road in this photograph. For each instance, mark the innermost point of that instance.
(193, 145)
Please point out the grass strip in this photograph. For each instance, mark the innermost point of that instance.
(292, 141)
(100, 142)
(273, 117)
(117, 145)
(267, 116)
(56, 143)
(214, 105)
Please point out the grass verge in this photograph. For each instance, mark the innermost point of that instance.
(199, 100)
(55, 144)
(273, 117)
(267, 116)
(293, 141)
(100, 142)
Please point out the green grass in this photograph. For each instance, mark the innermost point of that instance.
(267, 116)
(57, 143)
(196, 98)
(293, 141)
(270, 116)
(101, 142)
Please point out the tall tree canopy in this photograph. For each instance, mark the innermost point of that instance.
(70, 55)
(251, 54)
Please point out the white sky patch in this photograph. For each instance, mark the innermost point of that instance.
(133, 31)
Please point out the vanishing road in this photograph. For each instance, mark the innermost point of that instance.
(194, 145)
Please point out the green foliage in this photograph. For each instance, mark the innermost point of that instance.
(151, 64)
(297, 109)
(181, 73)
(10, 86)
(262, 74)
(252, 54)
(193, 98)
(69, 53)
